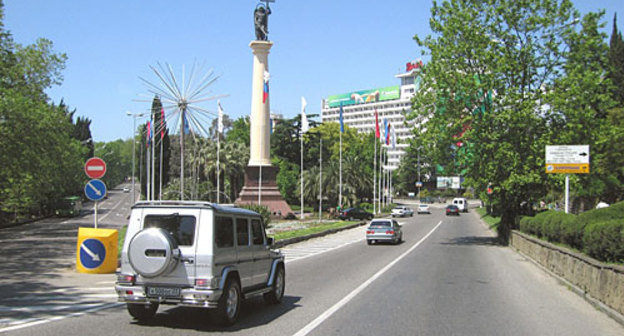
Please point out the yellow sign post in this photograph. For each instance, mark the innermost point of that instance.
(96, 251)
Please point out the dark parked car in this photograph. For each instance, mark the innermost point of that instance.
(355, 213)
(452, 210)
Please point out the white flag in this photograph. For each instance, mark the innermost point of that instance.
(220, 118)
(305, 126)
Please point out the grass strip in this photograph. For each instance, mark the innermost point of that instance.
(314, 228)
(491, 221)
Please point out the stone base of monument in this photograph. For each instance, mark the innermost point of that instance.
(270, 197)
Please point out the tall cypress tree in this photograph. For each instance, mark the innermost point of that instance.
(160, 134)
(616, 62)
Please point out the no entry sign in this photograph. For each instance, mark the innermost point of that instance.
(95, 168)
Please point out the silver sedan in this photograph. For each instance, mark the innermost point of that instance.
(384, 230)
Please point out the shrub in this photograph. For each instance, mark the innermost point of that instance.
(605, 240)
(262, 210)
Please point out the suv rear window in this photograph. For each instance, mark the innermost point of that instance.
(181, 228)
(380, 223)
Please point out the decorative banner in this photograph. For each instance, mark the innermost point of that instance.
(365, 96)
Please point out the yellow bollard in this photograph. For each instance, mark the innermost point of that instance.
(96, 251)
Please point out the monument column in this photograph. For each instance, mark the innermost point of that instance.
(260, 108)
(260, 175)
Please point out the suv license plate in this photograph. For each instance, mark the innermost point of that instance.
(167, 292)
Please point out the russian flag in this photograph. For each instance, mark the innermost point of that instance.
(265, 94)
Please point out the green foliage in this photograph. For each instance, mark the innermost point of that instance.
(605, 240)
(598, 232)
(288, 181)
(262, 210)
(481, 109)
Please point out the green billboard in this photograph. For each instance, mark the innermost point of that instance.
(365, 96)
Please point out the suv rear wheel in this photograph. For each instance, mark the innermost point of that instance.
(277, 293)
(142, 311)
(229, 303)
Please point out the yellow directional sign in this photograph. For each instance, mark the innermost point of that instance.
(572, 159)
(567, 168)
(96, 250)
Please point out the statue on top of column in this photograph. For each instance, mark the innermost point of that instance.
(261, 21)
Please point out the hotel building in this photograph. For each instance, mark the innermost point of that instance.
(392, 104)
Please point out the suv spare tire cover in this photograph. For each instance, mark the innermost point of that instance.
(153, 252)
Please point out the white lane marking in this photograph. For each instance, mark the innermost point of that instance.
(328, 313)
(58, 318)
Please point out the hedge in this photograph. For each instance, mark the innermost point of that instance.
(598, 232)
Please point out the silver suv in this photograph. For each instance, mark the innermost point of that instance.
(197, 254)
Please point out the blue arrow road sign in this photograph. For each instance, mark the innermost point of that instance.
(95, 190)
(92, 253)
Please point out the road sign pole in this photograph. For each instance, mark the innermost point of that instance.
(96, 211)
(567, 193)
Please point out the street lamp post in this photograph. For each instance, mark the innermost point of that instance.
(134, 118)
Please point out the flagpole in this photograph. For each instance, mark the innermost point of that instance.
(161, 168)
(320, 176)
(375, 178)
(340, 165)
(218, 167)
(182, 154)
(153, 163)
(301, 176)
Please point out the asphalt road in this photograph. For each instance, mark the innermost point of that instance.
(447, 278)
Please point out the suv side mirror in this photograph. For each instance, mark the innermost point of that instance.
(270, 241)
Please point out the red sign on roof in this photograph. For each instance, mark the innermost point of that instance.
(95, 168)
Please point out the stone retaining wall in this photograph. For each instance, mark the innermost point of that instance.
(600, 281)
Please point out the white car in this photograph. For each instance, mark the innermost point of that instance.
(402, 211)
(423, 208)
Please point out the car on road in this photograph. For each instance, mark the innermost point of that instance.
(355, 213)
(423, 208)
(384, 230)
(126, 189)
(197, 254)
(461, 203)
(452, 210)
(402, 211)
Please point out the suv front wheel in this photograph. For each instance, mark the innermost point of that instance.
(277, 293)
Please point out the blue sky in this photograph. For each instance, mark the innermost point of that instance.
(320, 48)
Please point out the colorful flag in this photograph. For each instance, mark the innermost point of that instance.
(187, 127)
(387, 127)
(377, 133)
(305, 125)
(149, 134)
(384, 140)
(270, 125)
(341, 121)
(266, 87)
(220, 118)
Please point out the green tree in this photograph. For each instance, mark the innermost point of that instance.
(494, 67)
(41, 161)
(616, 63)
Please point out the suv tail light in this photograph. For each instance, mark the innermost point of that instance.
(126, 278)
(390, 232)
(370, 231)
